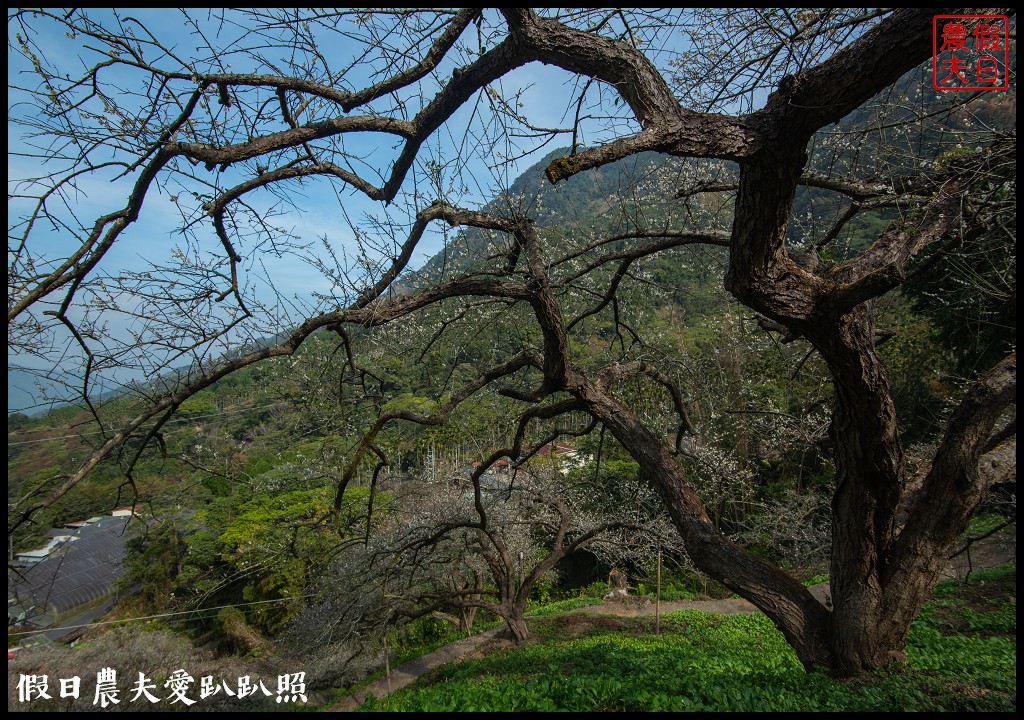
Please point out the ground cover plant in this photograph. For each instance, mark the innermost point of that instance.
(708, 662)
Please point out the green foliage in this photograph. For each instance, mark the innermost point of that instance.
(967, 657)
(561, 606)
(152, 562)
(1005, 574)
(410, 403)
(16, 421)
(270, 521)
(679, 584)
(705, 662)
(596, 589)
(199, 406)
(1001, 620)
(671, 594)
(983, 522)
(420, 636)
(276, 539)
(964, 608)
(734, 663)
(259, 463)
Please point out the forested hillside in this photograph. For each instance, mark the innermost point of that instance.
(751, 323)
(237, 493)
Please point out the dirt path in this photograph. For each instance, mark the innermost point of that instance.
(992, 552)
(407, 672)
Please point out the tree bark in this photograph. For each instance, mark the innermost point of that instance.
(869, 485)
(517, 626)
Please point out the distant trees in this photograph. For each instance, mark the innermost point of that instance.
(232, 135)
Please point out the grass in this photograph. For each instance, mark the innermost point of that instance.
(563, 606)
(961, 656)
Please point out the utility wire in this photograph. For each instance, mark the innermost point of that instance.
(161, 615)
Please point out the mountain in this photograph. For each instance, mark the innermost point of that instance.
(577, 201)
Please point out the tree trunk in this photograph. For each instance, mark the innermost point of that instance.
(869, 485)
(515, 621)
(466, 618)
(881, 575)
(800, 617)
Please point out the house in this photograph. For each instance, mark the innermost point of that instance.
(565, 456)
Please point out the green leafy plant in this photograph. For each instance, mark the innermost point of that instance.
(736, 663)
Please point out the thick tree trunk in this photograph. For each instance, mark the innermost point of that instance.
(515, 622)
(869, 486)
(881, 574)
(867, 626)
(868, 455)
(880, 580)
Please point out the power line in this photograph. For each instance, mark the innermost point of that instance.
(161, 615)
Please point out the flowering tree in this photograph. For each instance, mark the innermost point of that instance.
(264, 107)
(487, 541)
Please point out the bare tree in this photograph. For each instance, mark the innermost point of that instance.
(487, 541)
(263, 109)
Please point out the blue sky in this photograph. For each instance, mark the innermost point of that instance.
(320, 213)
